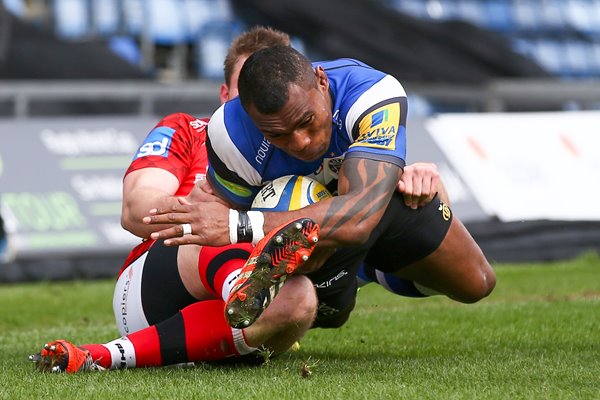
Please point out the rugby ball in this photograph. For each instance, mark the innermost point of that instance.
(290, 192)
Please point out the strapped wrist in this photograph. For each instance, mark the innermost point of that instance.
(245, 226)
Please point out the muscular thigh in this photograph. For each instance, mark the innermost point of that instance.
(408, 235)
(457, 268)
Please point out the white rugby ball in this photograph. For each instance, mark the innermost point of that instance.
(290, 192)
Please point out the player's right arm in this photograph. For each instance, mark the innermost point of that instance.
(169, 161)
(143, 190)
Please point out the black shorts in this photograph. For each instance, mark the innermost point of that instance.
(403, 236)
(163, 293)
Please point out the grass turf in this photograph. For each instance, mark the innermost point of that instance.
(536, 337)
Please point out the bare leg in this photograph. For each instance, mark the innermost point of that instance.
(287, 318)
(457, 268)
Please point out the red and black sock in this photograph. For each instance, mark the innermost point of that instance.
(199, 332)
(219, 266)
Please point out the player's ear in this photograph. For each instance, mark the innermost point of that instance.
(224, 93)
(322, 80)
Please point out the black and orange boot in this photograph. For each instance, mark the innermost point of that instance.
(275, 256)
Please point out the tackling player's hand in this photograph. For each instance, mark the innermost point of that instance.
(209, 222)
(419, 184)
(202, 192)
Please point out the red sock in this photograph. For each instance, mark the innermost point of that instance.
(218, 266)
(100, 354)
(199, 332)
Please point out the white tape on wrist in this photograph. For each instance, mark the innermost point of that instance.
(257, 219)
(245, 226)
(233, 222)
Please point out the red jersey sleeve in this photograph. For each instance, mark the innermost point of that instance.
(176, 144)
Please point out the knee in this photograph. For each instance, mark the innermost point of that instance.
(298, 302)
(482, 284)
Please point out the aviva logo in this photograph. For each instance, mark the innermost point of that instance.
(379, 128)
(379, 117)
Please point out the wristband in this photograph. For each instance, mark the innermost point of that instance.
(233, 218)
(257, 220)
(246, 227)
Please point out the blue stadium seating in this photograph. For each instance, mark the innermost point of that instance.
(106, 17)
(165, 22)
(198, 13)
(211, 48)
(71, 18)
(16, 7)
(561, 35)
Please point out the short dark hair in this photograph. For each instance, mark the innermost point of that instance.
(266, 75)
(248, 42)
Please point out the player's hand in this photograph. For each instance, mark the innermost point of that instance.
(209, 222)
(202, 192)
(419, 184)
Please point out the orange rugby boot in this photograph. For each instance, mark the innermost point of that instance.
(275, 256)
(62, 356)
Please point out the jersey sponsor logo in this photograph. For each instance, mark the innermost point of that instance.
(198, 124)
(262, 151)
(446, 213)
(378, 129)
(234, 188)
(157, 143)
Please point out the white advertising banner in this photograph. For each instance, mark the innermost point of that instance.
(526, 166)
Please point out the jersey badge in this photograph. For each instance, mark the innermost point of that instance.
(157, 143)
(378, 129)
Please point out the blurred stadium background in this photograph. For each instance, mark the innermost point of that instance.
(504, 95)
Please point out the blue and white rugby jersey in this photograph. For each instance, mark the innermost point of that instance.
(369, 121)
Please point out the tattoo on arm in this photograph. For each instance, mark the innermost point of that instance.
(372, 184)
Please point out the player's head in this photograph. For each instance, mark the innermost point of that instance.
(288, 101)
(241, 48)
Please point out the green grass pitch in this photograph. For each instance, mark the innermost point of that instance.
(536, 337)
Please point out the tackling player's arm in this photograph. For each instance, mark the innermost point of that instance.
(164, 166)
(145, 189)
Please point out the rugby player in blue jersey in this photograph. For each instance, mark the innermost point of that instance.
(343, 123)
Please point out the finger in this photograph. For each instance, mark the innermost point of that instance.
(180, 231)
(416, 194)
(173, 232)
(184, 201)
(205, 186)
(407, 182)
(408, 190)
(172, 208)
(426, 186)
(170, 218)
(401, 186)
(180, 241)
(427, 199)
